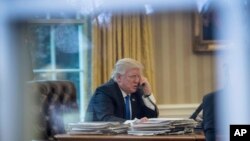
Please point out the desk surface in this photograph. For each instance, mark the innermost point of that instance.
(188, 137)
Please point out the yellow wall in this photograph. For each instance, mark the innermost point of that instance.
(181, 75)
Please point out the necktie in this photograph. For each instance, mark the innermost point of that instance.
(127, 109)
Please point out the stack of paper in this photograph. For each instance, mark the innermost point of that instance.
(155, 126)
(96, 128)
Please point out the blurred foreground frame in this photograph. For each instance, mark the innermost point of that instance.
(205, 26)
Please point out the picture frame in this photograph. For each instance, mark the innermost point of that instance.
(204, 33)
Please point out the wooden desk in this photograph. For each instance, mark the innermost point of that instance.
(191, 137)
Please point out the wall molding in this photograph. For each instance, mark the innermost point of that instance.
(177, 110)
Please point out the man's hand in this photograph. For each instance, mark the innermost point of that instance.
(146, 86)
(144, 119)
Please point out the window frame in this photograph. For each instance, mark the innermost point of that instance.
(83, 66)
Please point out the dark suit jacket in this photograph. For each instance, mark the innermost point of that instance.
(107, 104)
(209, 116)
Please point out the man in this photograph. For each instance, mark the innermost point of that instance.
(127, 95)
(209, 115)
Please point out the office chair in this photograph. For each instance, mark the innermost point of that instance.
(55, 103)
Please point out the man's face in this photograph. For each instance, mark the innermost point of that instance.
(129, 81)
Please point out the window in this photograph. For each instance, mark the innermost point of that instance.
(62, 52)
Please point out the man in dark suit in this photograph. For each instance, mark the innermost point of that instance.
(209, 116)
(109, 101)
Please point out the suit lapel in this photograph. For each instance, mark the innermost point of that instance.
(120, 99)
(133, 105)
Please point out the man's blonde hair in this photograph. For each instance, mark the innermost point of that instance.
(123, 65)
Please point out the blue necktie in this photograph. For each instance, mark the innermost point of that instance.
(127, 109)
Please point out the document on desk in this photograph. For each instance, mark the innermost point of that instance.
(154, 126)
(93, 125)
(146, 133)
(96, 128)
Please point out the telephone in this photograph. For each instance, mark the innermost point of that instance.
(141, 87)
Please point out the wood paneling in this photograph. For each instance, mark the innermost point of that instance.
(181, 75)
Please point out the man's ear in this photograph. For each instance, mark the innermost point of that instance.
(118, 77)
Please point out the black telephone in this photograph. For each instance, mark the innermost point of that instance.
(141, 87)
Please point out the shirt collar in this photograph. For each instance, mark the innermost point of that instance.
(124, 94)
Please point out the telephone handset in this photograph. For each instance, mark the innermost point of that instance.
(141, 87)
(146, 96)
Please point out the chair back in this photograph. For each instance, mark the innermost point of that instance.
(55, 102)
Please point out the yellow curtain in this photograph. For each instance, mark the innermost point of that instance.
(123, 36)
